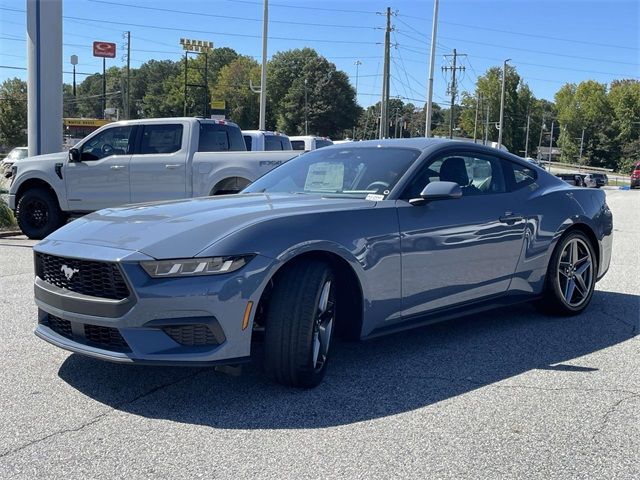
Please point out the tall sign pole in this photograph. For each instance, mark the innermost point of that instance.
(432, 61)
(44, 76)
(104, 50)
(263, 72)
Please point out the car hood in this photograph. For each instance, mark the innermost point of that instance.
(182, 229)
(49, 157)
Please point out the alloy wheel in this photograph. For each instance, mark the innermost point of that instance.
(323, 326)
(575, 272)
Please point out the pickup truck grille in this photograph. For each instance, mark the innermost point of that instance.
(96, 279)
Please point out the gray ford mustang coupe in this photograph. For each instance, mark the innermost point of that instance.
(358, 239)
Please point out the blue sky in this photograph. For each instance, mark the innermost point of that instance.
(550, 42)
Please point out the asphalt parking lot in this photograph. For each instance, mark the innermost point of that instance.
(506, 394)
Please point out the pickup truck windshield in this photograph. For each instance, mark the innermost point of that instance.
(352, 172)
(216, 137)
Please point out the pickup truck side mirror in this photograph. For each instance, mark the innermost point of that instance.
(438, 191)
(74, 155)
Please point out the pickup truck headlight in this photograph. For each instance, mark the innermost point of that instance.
(190, 267)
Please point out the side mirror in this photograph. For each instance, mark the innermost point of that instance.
(438, 191)
(74, 155)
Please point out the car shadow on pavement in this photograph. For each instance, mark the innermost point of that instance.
(367, 380)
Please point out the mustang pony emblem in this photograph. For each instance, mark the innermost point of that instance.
(68, 272)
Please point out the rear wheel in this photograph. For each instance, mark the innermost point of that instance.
(300, 324)
(571, 276)
(38, 213)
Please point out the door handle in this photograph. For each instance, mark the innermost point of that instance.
(117, 167)
(172, 166)
(510, 218)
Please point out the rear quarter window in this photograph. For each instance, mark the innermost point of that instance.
(216, 137)
(519, 176)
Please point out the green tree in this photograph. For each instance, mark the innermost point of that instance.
(233, 87)
(13, 113)
(332, 107)
(519, 100)
(586, 106)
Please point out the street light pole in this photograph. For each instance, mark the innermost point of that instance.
(357, 63)
(306, 109)
(263, 74)
(504, 81)
(74, 62)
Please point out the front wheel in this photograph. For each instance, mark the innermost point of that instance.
(571, 276)
(38, 213)
(300, 324)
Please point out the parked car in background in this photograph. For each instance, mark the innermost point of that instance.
(14, 155)
(574, 179)
(635, 176)
(135, 161)
(596, 180)
(264, 141)
(356, 240)
(309, 142)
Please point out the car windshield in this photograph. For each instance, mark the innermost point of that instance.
(17, 154)
(345, 172)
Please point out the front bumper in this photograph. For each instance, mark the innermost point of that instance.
(176, 321)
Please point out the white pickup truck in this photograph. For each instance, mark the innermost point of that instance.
(265, 141)
(131, 162)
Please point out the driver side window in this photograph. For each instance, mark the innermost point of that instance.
(477, 174)
(113, 141)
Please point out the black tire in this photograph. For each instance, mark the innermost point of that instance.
(560, 273)
(293, 325)
(38, 213)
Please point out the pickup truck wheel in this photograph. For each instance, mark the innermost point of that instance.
(300, 321)
(38, 213)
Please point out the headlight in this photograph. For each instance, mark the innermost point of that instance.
(195, 266)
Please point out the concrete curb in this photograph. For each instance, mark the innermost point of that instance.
(10, 233)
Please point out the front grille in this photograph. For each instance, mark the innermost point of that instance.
(59, 325)
(95, 335)
(105, 337)
(96, 279)
(191, 335)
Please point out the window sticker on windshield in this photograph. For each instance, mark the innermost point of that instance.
(325, 177)
(374, 197)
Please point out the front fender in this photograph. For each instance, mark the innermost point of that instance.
(31, 175)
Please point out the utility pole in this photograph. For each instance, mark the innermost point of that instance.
(486, 127)
(526, 141)
(128, 97)
(263, 74)
(475, 123)
(550, 144)
(357, 63)
(454, 87)
(504, 82)
(432, 60)
(384, 112)
(581, 145)
(538, 154)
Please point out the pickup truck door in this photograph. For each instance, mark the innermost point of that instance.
(101, 178)
(159, 163)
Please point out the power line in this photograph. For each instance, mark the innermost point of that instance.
(305, 7)
(532, 35)
(230, 17)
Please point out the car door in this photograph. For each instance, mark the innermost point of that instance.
(159, 163)
(100, 179)
(458, 250)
